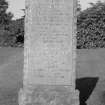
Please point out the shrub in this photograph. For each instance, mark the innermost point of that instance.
(91, 27)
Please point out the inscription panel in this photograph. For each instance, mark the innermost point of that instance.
(50, 56)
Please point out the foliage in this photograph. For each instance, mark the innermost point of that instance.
(16, 33)
(5, 17)
(78, 6)
(11, 31)
(91, 27)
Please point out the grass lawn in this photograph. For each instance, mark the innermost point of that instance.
(90, 63)
(11, 66)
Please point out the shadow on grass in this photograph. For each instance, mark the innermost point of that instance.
(85, 86)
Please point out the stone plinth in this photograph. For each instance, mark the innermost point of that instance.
(48, 95)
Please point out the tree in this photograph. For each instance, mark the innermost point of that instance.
(91, 27)
(16, 30)
(5, 20)
(78, 6)
(5, 17)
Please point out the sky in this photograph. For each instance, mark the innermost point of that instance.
(15, 6)
(85, 3)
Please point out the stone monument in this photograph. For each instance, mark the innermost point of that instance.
(49, 53)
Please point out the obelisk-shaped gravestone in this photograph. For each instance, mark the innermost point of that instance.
(49, 53)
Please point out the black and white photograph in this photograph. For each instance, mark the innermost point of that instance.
(52, 52)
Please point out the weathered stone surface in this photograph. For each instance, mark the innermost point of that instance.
(50, 43)
(49, 67)
(49, 95)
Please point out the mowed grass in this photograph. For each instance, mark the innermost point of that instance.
(90, 63)
(11, 66)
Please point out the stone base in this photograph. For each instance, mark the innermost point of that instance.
(48, 95)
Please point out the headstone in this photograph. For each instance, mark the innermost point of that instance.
(49, 53)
